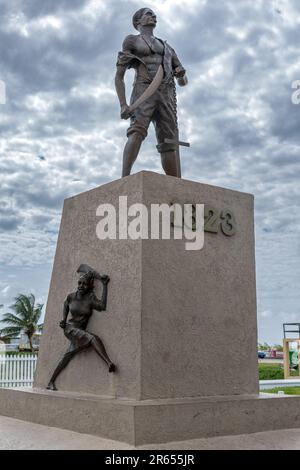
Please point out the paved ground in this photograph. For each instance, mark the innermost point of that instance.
(15, 434)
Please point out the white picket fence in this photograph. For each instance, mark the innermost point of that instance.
(17, 371)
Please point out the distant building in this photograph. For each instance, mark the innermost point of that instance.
(12, 344)
(21, 343)
(24, 343)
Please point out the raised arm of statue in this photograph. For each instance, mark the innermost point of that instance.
(100, 304)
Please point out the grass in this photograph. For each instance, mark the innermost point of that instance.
(273, 371)
(286, 390)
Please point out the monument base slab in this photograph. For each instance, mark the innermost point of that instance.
(139, 422)
(180, 324)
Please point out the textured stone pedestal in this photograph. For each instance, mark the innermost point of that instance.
(180, 326)
(178, 323)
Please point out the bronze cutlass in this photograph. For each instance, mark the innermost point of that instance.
(154, 85)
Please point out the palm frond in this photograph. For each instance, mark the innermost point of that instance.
(10, 332)
(23, 305)
(12, 320)
(37, 312)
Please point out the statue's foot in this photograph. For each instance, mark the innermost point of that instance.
(111, 368)
(52, 386)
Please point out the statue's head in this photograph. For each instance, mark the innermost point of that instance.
(144, 17)
(86, 283)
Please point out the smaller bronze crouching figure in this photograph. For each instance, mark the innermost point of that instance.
(80, 305)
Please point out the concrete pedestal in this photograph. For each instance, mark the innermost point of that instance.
(139, 422)
(180, 326)
(178, 323)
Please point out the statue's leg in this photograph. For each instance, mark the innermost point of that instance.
(131, 152)
(169, 159)
(169, 163)
(165, 123)
(61, 365)
(98, 346)
(136, 133)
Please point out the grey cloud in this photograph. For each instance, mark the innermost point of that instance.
(36, 8)
(41, 220)
(45, 199)
(8, 223)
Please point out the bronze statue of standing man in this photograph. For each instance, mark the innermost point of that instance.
(154, 93)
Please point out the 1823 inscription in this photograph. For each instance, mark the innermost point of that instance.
(215, 220)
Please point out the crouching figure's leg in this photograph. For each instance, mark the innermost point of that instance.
(98, 346)
(61, 365)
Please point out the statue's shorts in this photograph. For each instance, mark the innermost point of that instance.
(161, 109)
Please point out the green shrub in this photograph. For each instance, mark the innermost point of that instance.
(273, 371)
(270, 371)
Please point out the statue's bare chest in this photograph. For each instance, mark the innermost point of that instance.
(145, 46)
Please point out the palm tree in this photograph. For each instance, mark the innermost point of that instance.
(26, 318)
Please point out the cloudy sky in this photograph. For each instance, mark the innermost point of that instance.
(60, 132)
